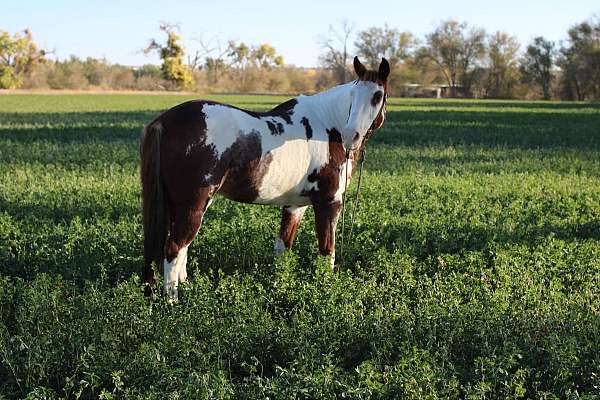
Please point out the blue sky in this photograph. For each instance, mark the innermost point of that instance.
(117, 30)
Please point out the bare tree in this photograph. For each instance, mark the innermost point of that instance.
(456, 51)
(335, 50)
(196, 61)
(210, 57)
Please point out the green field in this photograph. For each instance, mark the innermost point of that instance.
(474, 270)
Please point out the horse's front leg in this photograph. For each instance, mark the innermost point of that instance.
(290, 220)
(326, 218)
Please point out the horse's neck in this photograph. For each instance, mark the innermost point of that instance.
(331, 106)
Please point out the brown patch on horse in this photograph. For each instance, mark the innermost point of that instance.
(185, 157)
(289, 226)
(377, 123)
(328, 177)
(308, 129)
(377, 96)
(242, 168)
(284, 110)
(326, 216)
(371, 76)
(185, 219)
(179, 165)
(275, 127)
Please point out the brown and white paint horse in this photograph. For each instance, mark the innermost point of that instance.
(293, 156)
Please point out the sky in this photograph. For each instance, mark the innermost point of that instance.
(118, 30)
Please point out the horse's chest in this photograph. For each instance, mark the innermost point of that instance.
(286, 180)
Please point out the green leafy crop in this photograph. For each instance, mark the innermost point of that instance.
(473, 271)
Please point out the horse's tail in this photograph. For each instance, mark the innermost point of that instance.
(153, 201)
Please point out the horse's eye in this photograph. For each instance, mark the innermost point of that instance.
(376, 98)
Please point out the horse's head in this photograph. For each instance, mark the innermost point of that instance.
(367, 109)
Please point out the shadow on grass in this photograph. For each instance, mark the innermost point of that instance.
(491, 129)
(501, 104)
(79, 139)
(59, 213)
(423, 243)
(10, 121)
(68, 138)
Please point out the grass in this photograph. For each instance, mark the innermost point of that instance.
(474, 270)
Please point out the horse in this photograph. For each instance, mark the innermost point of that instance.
(299, 154)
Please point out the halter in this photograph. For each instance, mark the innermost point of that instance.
(362, 155)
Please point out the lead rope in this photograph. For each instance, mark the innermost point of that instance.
(356, 200)
(363, 155)
(344, 207)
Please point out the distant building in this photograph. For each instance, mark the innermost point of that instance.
(430, 91)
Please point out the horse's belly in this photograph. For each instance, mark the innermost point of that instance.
(286, 180)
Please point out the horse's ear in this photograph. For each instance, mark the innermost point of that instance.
(359, 68)
(384, 70)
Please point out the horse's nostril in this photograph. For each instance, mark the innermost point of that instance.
(356, 135)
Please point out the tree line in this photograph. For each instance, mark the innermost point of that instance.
(455, 59)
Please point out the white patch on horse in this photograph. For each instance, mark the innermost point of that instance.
(175, 272)
(291, 163)
(344, 179)
(221, 127)
(224, 125)
(182, 267)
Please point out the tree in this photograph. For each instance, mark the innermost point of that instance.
(246, 61)
(18, 56)
(171, 54)
(580, 62)
(335, 51)
(262, 56)
(537, 64)
(213, 53)
(214, 67)
(374, 43)
(503, 65)
(265, 56)
(456, 51)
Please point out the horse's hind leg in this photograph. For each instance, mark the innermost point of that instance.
(290, 220)
(185, 219)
